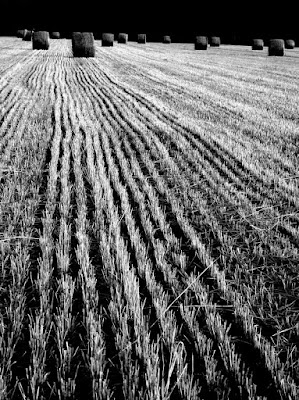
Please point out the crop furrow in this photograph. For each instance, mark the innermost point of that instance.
(139, 249)
(194, 265)
(96, 147)
(103, 291)
(120, 110)
(27, 173)
(105, 377)
(172, 120)
(286, 231)
(181, 217)
(113, 174)
(41, 370)
(147, 241)
(179, 318)
(228, 196)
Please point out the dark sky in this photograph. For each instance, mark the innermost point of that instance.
(183, 18)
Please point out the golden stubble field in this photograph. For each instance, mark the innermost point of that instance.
(148, 223)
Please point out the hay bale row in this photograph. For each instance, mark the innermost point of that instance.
(40, 40)
(257, 44)
(27, 35)
(289, 44)
(215, 41)
(55, 35)
(166, 39)
(201, 43)
(83, 44)
(276, 47)
(107, 39)
(141, 38)
(122, 38)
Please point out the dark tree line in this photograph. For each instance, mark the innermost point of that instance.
(235, 23)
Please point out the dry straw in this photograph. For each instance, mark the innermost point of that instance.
(27, 35)
(289, 44)
(83, 44)
(166, 39)
(276, 47)
(55, 35)
(215, 41)
(107, 39)
(141, 38)
(257, 44)
(201, 43)
(122, 38)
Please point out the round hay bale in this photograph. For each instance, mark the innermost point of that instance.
(201, 43)
(276, 47)
(20, 33)
(290, 44)
(166, 39)
(83, 44)
(141, 38)
(40, 40)
(55, 35)
(27, 35)
(122, 38)
(107, 39)
(215, 41)
(257, 44)
(73, 37)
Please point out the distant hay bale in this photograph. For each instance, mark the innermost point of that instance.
(83, 44)
(40, 40)
(257, 44)
(276, 47)
(107, 39)
(215, 41)
(166, 39)
(66, 35)
(289, 44)
(141, 38)
(55, 35)
(27, 35)
(122, 38)
(74, 35)
(20, 33)
(201, 43)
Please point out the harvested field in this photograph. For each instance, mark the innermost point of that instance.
(149, 223)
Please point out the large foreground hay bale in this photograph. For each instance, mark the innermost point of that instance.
(215, 41)
(141, 38)
(201, 43)
(290, 44)
(27, 35)
(107, 39)
(276, 47)
(166, 39)
(122, 38)
(257, 44)
(40, 40)
(20, 33)
(55, 35)
(83, 44)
